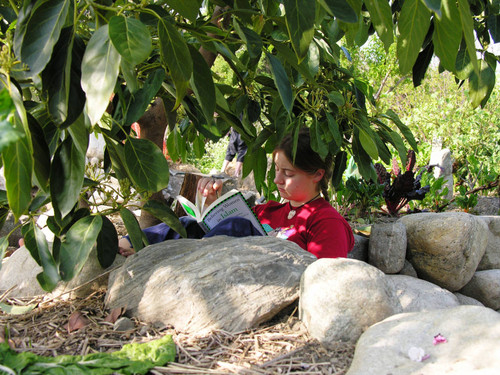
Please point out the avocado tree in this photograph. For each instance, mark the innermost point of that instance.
(70, 68)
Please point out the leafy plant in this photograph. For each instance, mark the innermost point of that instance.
(435, 198)
(400, 188)
(286, 57)
(465, 201)
(362, 197)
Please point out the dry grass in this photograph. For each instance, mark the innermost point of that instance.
(279, 347)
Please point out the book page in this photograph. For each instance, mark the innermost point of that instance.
(234, 205)
(189, 207)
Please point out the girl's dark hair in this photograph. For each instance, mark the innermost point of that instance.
(306, 159)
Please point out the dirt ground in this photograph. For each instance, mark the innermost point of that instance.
(282, 346)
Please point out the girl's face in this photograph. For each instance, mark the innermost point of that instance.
(293, 183)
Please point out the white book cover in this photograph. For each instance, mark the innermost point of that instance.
(231, 204)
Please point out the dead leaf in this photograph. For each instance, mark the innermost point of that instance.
(114, 314)
(76, 321)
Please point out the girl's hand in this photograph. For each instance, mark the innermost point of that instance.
(209, 188)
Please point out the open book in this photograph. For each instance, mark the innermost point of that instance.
(231, 204)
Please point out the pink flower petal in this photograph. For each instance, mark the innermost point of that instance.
(439, 339)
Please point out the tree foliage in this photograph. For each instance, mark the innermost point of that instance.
(63, 60)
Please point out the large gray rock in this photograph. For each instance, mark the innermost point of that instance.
(466, 300)
(387, 249)
(491, 257)
(8, 227)
(486, 206)
(445, 248)
(408, 270)
(485, 287)
(420, 295)
(472, 335)
(19, 272)
(340, 298)
(214, 283)
(360, 249)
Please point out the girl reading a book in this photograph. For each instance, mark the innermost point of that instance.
(305, 218)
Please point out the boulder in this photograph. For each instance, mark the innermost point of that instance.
(387, 249)
(465, 300)
(408, 270)
(19, 272)
(360, 249)
(420, 295)
(486, 206)
(472, 335)
(491, 257)
(485, 287)
(340, 298)
(445, 248)
(221, 282)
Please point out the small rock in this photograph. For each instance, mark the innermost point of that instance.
(123, 324)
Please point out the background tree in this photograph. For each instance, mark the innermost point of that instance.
(63, 60)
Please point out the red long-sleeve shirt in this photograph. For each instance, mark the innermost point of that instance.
(316, 227)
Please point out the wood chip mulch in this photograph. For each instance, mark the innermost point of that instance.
(278, 347)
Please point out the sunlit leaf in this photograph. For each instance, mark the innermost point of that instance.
(368, 144)
(77, 244)
(398, 143)
(9, 133)
(188, 9)
(282, 83)
(17, 309)
(300, 16)
(447, 35)
(146, 164)
(413, 24)
(42, 32)
(100, 67)
(131, 38)
(381, 17)
(481, 85)
(468, 32)
(165, 214)
(390, 114)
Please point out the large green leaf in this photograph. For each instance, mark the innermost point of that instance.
(165, 214)
(434, 6)
(413, 25)
(391, 115)
(107, 243)
(116, 154)
(300, 16)
(493, 23)
(251, 39)
(77, 244)
(338, 168)
(398, 143)
(41, 150)
(341, 9)
(4, 244)
(37, 245)
(362, 159)
(66, 176)
(18, 166)
(317, 143)
(468, 32)
(131, 38)
(80, 135)
(463, 65)
(203, 84)
(481, 85)
(188, 9)
(447, 35)
(281, 81)
(381, 16)
(146, 164)
(9, 133)
(133, 228)
(143, 97)
(289, 57)
(42, 32)
(174, 52)
(100, 66)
